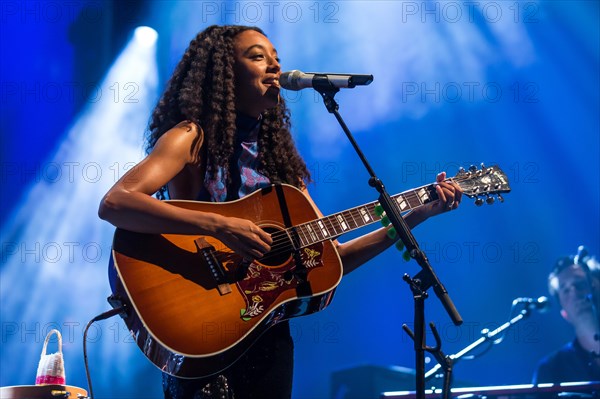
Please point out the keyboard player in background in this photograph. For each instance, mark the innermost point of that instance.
(575, 283)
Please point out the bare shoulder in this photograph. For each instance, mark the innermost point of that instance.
(185, 131)
(182, 141)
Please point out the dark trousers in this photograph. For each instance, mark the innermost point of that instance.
(265, 371)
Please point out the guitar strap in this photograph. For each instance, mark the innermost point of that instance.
(303, 289)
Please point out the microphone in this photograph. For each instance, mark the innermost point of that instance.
(298, 80)
(540, 304)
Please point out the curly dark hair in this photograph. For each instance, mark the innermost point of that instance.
(201, 90)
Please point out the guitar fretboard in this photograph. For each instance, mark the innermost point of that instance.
(332, 226)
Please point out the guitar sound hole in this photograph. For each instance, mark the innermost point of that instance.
(281, 249)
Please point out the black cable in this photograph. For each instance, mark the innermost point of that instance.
(102, 316)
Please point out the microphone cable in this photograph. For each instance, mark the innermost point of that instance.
(102, 316)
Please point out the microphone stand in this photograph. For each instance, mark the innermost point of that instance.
(426, 278)
(486, 336)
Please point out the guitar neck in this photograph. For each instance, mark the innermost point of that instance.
(332, 226)
(475, 183)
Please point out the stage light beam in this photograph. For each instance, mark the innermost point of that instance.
(55, 249)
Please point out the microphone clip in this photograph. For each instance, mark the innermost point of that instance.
(326, 88)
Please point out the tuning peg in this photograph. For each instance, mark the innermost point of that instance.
(482, 166)
(489, 200)
(479, 201)
(500, 198)
(472, 168)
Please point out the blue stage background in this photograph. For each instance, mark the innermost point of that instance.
(513, 83)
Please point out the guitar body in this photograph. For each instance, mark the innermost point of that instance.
(194, 306)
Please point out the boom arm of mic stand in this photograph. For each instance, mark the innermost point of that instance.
(486, 336)
(426, 275)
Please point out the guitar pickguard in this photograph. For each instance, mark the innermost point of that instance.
(263, 284)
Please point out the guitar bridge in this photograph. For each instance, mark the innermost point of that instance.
(216, 268)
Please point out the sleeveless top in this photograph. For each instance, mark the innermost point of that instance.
(266, 369)
(245, 178)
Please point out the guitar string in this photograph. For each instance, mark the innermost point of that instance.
(354, 214)
(283, 243)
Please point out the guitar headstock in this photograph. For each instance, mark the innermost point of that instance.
(483, 183)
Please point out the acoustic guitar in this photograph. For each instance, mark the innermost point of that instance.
(194, 306)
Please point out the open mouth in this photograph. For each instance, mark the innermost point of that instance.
(272, 82)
